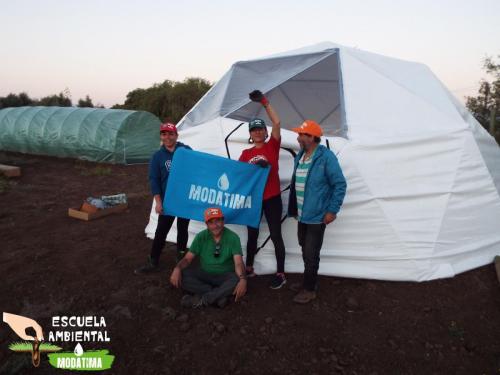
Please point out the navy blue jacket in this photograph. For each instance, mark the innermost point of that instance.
(324, 189)
(159, 169)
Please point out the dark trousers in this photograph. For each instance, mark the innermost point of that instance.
(310, 239)
(271, 208)
(210, 286)
(164, 224)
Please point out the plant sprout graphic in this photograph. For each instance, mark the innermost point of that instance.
(35, 348)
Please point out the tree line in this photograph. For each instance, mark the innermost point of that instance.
(63, 99)
(486, 105)
(169, 100)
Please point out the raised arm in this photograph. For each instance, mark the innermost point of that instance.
(257, 96)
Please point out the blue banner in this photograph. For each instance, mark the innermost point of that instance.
(198, 180)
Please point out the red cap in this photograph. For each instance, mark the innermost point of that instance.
(213, 213)
(168, 127)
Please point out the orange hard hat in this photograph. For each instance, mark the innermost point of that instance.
(310, 127)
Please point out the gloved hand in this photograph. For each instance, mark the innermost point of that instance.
(258, 96)
(262, 163)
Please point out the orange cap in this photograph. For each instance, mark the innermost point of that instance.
(310, 127)
(213, 213)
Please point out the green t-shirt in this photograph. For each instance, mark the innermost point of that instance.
(204, 246)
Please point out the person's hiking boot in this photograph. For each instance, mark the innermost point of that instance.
(179, 256)
(250, 272)
(304, 296)
(222, 302)
(277, 281)
(192, 302)
(150, 267)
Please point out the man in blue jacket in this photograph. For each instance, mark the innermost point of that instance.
(316, 193)
(159, 170)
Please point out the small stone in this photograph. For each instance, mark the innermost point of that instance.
(232, 365)
(184, 327)
(263, 348)
(268, 320)
(343, 362)
(352, 303)
(160, 349)
(392, 344)
(427, 309)
(470, 346)
(169, 313)
(183, 318)
(122, 310)
(262, 329)
(282, 323)
(334, 358)
(219, 327)
(243, 331)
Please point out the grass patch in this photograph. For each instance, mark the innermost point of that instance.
(456, 331)
(4, 184)
(27, 346)
(97, 171)
(87, 169)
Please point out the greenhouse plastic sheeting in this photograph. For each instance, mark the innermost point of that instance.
(94, 134)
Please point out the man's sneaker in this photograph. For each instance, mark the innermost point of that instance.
(198, 301)
(304, 296)
(249, 271)
(278, 281)
(150, 267)
(192, 302)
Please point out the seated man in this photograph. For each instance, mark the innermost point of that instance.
(222, 271)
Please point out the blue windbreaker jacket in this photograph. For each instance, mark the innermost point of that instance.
(325, 187)
(159, 169)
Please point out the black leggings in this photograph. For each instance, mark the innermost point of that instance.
(164, 224)
(272, 208)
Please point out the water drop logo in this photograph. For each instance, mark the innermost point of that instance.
(78, 350)
(223, 183)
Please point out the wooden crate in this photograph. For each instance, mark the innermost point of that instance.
(77, 214)
(10, 171)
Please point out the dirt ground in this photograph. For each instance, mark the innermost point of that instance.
(51, 264)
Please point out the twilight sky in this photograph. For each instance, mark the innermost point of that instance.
(106, 48)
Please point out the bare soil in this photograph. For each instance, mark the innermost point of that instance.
(51, 264)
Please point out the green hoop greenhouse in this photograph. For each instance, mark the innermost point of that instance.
(95, 134)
